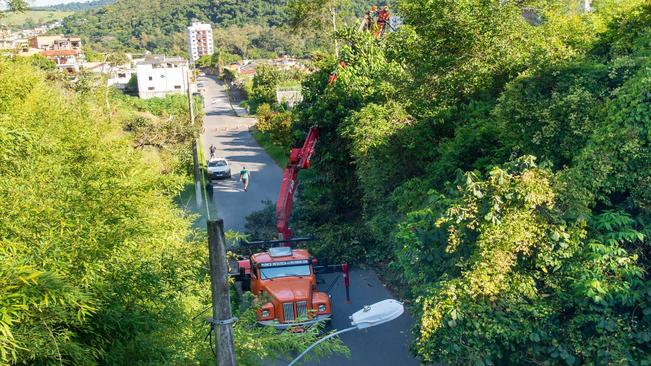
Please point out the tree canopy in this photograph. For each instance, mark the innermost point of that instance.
(251, 29)
(98, 264)
(492, 158)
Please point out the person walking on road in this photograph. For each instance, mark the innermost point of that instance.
(212, 150)
(244, 177)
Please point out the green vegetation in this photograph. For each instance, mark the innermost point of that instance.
(492, 155)
(11, 6)
(262, 89)
(273, 129)
(77, 6)
(250, 29)
(278, 153)
(499, 166)
(32, 18)
(97, 264)
(157, 26)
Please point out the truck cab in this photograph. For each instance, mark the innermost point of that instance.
(287, 277)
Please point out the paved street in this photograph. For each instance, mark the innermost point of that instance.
(387, 344)
(233, 141)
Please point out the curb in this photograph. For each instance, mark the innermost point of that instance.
(230, 101)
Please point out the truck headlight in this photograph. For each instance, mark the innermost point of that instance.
(265, 313)
(322, 308)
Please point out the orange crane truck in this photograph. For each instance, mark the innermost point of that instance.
(286, 276)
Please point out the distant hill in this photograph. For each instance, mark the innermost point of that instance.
(76, 6)
(159, 25)
(31, 18)
(156, 24)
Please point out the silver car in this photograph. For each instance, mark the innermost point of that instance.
(219, 168)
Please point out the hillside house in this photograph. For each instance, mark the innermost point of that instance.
(160, 75)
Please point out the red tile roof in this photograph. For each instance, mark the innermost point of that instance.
(60, 52)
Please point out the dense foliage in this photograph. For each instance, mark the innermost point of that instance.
(250, 29)
(97, 263)
(496, 155)
(77, 6)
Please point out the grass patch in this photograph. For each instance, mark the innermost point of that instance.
(38, 17)
(187, 199)
(279, 154)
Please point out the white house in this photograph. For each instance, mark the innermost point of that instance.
(159, 75)
(118, 76)
(199, 40)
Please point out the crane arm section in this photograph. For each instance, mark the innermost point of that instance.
(299, 158)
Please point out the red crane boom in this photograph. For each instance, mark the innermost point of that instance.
(299, 158)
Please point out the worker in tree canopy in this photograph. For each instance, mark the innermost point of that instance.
(382, 18)
(367, 22)
(332, 77)
(244, 177)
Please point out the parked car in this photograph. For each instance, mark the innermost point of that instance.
(219, 168)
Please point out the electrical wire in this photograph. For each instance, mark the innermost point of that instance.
(212, 349)
(203, 311)
(205, 195)
(333, 284)
(319, 341)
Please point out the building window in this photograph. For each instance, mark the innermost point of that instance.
(122, 75)
(150, 88)
(151, 78)
(177, 86)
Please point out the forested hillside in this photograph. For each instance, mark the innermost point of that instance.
(98, 265)
(77, 6)
(497, 167)
(252, 28)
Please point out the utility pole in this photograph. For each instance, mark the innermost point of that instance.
(334, 30)
(106, 94)
(195, 159)
(222, 319)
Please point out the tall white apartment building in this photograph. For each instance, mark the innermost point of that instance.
(159, 75)
(199, 40)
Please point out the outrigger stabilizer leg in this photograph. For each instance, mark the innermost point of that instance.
(332, 268)
(344, 268)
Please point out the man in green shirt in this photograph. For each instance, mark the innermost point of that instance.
(244, 177)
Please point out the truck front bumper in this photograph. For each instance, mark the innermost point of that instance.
(274, 323)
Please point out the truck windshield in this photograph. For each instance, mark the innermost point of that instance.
(275, 272)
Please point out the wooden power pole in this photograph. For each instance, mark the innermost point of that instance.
(222, 319)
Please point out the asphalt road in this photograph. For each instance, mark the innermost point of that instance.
(387, 344)
(230, 135)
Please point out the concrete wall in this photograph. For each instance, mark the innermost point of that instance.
(160, 81)
(291, 97)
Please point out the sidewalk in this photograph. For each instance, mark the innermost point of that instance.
(239, 111)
